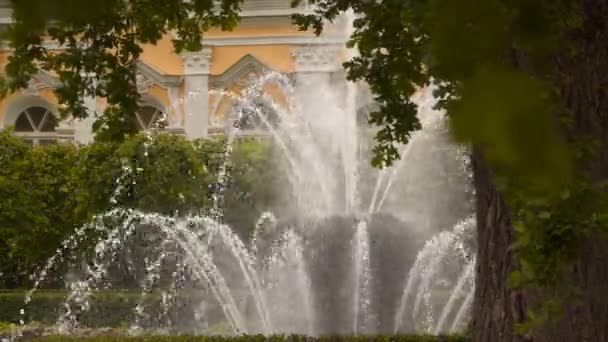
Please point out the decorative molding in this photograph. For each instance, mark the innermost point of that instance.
(278, 12)
(266, 21)
(6, 12)
(16, 105)
(315, 59)
(48, 79)
(270, 8)
(143, 83)
(242, 73)
(266, 39)
(42, 80)
(244, 66)
(246, 81)
(147, 75)
(33, 87)
(197, 63)
(47, 44)
(65, 130)
(285, 39)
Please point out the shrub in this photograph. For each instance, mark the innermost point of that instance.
(37, 206)
(113, 308)
(48, 191)
(275, 338)
(254, 179)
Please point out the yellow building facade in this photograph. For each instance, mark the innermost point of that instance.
(180, 85)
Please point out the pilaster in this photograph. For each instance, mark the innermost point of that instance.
(83, 128)
(196, 93)
(313, 66)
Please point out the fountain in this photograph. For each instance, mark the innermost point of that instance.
(360, 251)
(338, 265)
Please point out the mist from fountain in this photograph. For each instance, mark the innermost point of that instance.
(348, 258)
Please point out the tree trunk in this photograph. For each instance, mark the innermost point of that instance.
(585, 94)
(495, 307)
(583, 89)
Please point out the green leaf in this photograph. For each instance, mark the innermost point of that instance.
(515, 279)
(510, 120)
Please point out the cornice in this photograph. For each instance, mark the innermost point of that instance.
(292, 39)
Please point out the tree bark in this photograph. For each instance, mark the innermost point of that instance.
(495, 307)
(583, 86)
(585, 93)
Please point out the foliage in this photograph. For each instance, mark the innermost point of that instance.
(48, 191)
(36, 187)
(274, 338)
(492, 63)
(164, 175)
(548, 241)
(110, 308)
(464, 48)
(115, 308)
(254, 178)
(102, 41)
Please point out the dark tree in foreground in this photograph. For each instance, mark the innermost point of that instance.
(525, 82)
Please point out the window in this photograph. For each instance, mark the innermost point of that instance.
(148, 117)
(37, 126)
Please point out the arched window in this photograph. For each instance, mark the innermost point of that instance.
(148, 117)
(37, 125)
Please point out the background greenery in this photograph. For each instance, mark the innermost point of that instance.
(276, 338)
(48, 191)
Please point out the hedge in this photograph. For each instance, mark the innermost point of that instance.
(275, 338)
(115, 307)
(110, 308)
(48, 191)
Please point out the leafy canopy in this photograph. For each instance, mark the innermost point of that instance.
(470, 50)
(104, 39)
(493, 62)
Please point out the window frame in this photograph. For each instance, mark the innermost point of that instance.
(37, 136)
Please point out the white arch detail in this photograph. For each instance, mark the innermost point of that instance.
(17, 105)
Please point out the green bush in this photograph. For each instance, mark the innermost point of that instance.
(255, 178)
(112, 308)
(48, 191)
(109, 308)
(276, 338)
(37, 204)
(115, 309)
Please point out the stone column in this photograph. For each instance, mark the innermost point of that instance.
(83, 128)
(196, 93)
(314, 66)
